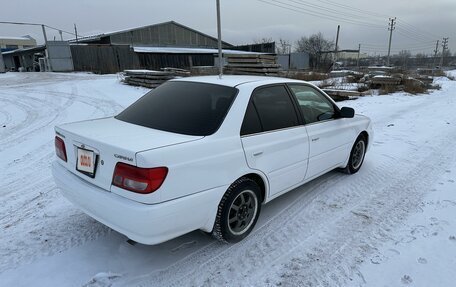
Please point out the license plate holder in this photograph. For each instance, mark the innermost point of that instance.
(86, 162)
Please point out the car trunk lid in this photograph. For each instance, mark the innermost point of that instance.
(110, 141)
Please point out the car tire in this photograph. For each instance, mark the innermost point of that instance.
(238, 211)
(357, 154)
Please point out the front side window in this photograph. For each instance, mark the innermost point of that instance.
(188, 108)
(314, 106)
(273, 107)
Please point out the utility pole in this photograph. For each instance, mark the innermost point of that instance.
(44, 34)
(48, 62)
(359, 51)
(444, 47)
(219, 33)
(435, 53)
(337, 43)
(337, 40)
(61, 36)
(391, 27)
(76, 32)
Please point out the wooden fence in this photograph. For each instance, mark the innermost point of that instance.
(104, 59)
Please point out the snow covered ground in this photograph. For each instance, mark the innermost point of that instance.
(391, 224)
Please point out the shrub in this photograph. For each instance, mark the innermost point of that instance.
(414, 87)
(388, 89)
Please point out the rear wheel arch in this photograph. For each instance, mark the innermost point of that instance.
(258, 179)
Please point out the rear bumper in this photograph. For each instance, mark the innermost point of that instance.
(144, 223)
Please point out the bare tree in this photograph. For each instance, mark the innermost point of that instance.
(283, 47)
(420, 59)
(316, 45)
(403, 58)
(263, 40)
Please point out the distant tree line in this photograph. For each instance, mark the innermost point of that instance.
(321, 56)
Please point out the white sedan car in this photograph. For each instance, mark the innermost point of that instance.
(205, 153)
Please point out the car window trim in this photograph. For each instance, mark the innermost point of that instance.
(273, 131)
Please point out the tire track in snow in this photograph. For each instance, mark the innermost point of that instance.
(22, 210)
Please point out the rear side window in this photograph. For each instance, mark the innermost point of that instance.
(251, 123)
(182, 107)
(275, 108)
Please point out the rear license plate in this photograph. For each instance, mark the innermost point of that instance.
(86, 162)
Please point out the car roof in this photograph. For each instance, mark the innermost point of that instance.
(233, 81)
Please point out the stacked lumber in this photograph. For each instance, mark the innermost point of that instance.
(150, 78)
(342, 95)
(252, 64)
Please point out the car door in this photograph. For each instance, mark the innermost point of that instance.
(274, 139)
(330, 137)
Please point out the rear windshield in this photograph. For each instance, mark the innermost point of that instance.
(182, 107)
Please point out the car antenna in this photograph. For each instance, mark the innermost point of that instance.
(219, 33)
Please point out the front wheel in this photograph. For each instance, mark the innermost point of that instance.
(356, 155)
(238, 211)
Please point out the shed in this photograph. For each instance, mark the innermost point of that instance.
(26, 58)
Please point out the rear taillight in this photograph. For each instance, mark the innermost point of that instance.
(137, 179)
(60, 150)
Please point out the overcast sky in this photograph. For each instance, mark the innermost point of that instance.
(420, 22)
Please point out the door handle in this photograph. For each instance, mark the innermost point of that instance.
(315, 139)
(257, 153)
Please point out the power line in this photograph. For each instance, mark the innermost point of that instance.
(347, 7)
(300, 10)
(36, 24)
(415, 34)
(330, 10)
(419, 29)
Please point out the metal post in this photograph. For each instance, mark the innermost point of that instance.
(390, 28)
(219, 33)
(49, 66)
(435, 53)
(337, 43)
(357, 61)
(44, 34)
(76, 32)
(61, 36)
(444, 46)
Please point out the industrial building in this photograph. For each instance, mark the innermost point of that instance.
(157, 46)
(168, 44)
(13, 43)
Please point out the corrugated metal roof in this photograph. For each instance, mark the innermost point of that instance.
(37, 48)
(27, 38)
(99, 36)
(172, 50)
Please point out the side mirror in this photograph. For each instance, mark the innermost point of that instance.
(346, 112)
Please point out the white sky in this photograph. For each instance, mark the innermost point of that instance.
(421, 22)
